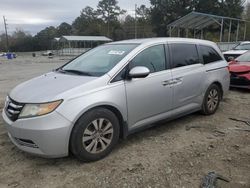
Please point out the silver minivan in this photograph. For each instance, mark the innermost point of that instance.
(114, 90)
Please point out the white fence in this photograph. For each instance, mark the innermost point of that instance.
(225, 46)
(70, 51)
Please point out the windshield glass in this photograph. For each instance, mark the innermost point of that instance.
(242, 47)
(244, 58)
(99, 60)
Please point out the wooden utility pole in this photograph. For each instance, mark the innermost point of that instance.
(108, 18)
(135, 21)
(6, 33)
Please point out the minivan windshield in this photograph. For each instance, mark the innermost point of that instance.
(242, 47)
(98, 61)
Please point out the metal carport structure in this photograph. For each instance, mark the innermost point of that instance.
(197, 21)
(74, 45)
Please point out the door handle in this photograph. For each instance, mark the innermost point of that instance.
(177, 81)
(167, 82)
(172, 82)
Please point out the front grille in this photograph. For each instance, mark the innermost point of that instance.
(13, 109)
(237, 80)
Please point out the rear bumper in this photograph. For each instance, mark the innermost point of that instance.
(46, 136)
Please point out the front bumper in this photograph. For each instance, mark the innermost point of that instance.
(239, 82)
(46, 136)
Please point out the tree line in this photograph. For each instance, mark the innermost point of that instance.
(110, 20)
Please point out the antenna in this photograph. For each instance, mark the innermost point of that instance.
(6, 33)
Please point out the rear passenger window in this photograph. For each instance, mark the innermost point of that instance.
(209, 54)
(184, 54)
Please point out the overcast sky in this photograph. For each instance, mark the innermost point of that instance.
(34, 15)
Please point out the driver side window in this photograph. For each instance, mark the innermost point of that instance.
(153, 58)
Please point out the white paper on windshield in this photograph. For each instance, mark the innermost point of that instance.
(116, 52)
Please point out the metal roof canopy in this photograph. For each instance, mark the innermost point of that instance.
(84, 38)
(199, 21)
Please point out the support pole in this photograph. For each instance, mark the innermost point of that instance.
(179, 32)
(237, 33)
(170, 31)
(69, 48)
(221, 29)
(230, 28)
(245, 31)
(186, 32)
(202, 34)
(194, 33)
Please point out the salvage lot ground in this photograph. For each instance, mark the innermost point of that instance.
(173, 154)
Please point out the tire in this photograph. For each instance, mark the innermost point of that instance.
(211, 100)
(94, 135)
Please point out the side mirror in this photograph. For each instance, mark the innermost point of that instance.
(231, 58)
(139, 72)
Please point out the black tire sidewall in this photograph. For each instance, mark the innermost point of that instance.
(205, 109)
(76, 146)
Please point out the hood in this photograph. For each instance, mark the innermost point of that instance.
(46, 87)
(237, 52)
(240, 68)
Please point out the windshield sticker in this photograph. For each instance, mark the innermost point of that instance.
(115, 52)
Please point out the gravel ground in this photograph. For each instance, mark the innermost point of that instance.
(173, 154)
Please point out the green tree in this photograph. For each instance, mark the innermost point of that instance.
(165, 11)
(231, 8)
(207, 6)
(43, 39)
(88, 23)
(109, 11)
(129, 27)
(64, 29)
(21, 41)
(3, 46)
(246, 16)
(144, 28)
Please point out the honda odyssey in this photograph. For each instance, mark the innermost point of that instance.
(114, 90)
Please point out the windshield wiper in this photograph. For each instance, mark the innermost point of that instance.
(78, 72)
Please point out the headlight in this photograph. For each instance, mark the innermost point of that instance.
(32, 110)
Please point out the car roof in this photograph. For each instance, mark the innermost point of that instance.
(245, 42)
(163, 40)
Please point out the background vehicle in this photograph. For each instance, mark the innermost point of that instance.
(240, 71)
(112, 91)
(240, 49)
(48, 53)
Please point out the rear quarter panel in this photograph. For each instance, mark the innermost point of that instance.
(218, 72)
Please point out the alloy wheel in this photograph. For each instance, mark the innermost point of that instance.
(98, 135)
(213, 99)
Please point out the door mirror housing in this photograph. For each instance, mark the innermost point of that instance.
(139, 72)
(231, 58)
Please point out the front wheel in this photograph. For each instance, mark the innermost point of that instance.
(94, 135)
(211, 100)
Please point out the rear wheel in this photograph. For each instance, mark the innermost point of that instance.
(94, 135)
(211, 100)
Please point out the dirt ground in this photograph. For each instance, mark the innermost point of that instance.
(175, 154)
